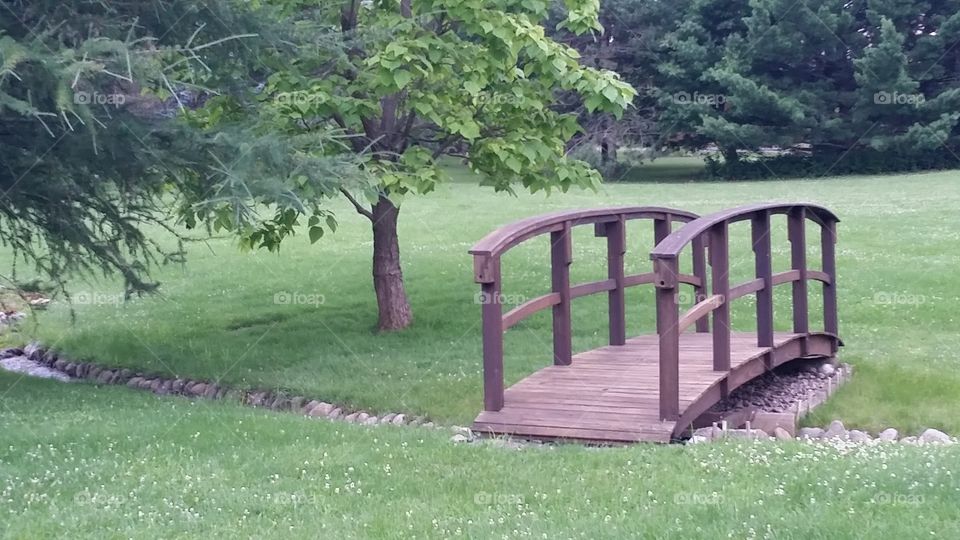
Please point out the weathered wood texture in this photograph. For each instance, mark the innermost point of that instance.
(651, 387)
(610, 393)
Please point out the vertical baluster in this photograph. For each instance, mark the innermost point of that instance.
(662, 228)
(764, 270)
(668, 317)
(616, 248)
(828, 247)
(720, 268)
(700, 271)
(492, 316)
(796, 230)
(561, 255)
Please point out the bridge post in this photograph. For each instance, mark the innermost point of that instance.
(662, 228)
(700, 272)
(561, 255)
(796, 230)
(668, 319)
(828, 250)
(720, 278)
(488, 270)
(764, 271)
(615, 231)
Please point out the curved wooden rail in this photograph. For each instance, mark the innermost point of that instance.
(609, 223)
(712, 230)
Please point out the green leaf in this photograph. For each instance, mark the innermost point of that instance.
(316, 233)
(402, 78)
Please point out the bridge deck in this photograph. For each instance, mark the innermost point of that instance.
(611, 393)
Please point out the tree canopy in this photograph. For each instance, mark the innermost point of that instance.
(405, 83)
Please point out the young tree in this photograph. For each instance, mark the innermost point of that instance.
(410, 81)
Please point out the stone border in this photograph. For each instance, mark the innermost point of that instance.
(205, 389)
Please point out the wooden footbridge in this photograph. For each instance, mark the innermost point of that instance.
(651, 387)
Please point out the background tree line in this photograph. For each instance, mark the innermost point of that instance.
(852, 86)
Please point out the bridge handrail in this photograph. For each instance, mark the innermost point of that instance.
(712, 231)
(672, 245)
(608, 222)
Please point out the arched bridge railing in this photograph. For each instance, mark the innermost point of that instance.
(712, 231)
(609, 223)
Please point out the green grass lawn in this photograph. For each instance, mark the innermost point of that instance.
(86, 461)
(217, 316)
(79, 461)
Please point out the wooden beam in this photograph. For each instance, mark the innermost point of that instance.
(720, 278)
(616, 299)
(561, 255)
(797, 227)
(492, 315)
(763, 264)
(699, 311)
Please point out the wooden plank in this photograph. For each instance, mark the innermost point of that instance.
(499, 241)
(643, 279)
(592, 420)
(609, 394)
(763, 265)
(561, 255)
(638, 279)
(528, 308)
(492, 316)
(668, 315)
(788, 276)
(616, 233)
(828, 253)
(699, 311)
(746, 288)
(586, 289)
(720, 282)
(820, 276)
(797, 227)
(652, 434)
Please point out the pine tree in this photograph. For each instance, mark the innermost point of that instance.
(840, 76)
(88, 140)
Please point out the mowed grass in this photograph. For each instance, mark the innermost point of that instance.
(80, 461)
(303, 320)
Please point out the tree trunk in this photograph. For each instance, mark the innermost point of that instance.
(730, 154)
(608, 151)
(392, 300)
